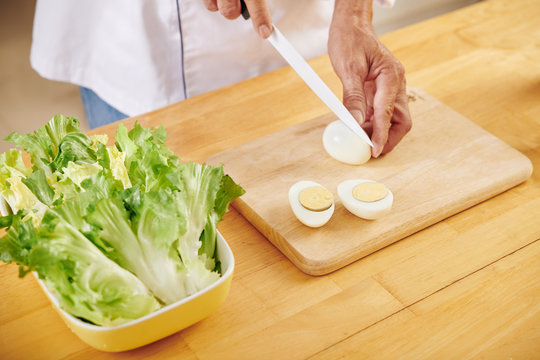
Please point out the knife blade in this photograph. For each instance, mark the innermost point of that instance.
(310, 77)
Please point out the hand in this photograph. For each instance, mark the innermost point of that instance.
(373, 79)
(258, 9)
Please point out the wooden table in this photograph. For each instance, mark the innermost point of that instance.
(467, 287)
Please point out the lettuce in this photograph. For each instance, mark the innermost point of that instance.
(15, 192)
(86, 282)
(44, 144)
(116, 231)
(146, 250)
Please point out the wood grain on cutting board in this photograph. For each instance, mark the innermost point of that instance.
(444, 165)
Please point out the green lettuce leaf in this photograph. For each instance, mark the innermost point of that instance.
(227, 193)
(86, 283)
(117, 229)
(144, 246)
(43, 145)
(38, 185)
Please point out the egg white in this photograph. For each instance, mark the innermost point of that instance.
(344, 145)
(307, 217)
(363, 209)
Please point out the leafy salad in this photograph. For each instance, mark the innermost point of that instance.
(115, 232)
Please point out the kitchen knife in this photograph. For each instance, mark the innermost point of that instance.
(310, 77)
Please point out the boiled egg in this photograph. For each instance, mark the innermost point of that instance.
(344, 145)
(311, 203)
(367, 199)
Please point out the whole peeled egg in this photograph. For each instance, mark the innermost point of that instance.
(311, 203)
(344, 145)
(366, 199)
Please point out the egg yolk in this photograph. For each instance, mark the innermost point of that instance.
(316, 198)
(369, 191)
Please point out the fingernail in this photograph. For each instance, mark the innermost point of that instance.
(264, 31)
(357, 114)
(376, 151)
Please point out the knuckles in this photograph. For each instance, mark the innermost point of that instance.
(388, 112)
(396, 70)
(229, 10)
(353, 95)
(399, 69)
(211, 5)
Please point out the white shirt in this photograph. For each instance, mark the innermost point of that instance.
(140, 55)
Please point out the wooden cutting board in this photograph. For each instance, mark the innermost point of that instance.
(446, 164)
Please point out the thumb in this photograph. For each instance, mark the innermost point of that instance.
(354, 99)
(260, 17)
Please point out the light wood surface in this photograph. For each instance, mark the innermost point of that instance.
(445, 165)
(466, 287)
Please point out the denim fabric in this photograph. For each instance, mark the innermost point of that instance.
(98, 112)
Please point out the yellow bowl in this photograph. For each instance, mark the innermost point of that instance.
(163, 322)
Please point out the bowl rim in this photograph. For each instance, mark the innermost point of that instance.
(76, 321)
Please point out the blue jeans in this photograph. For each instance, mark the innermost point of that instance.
(97, 111)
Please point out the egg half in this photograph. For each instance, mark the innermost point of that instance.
(311, 203)
(367, 199)
(344, 145)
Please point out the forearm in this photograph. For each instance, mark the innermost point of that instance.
(361, 11)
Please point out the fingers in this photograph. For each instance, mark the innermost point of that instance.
(260, 17)
(388, 84)
(258, 10)
(401, 121)
(369, 90)
(211, 5)
(230, 9)
(354, 98)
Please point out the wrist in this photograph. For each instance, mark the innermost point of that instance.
(359, 12)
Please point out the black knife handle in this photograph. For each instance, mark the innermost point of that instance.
(245, 12)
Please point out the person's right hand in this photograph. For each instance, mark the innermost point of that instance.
(374, 86)
(258, 9)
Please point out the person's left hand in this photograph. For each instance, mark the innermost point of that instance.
(258, 10)
(373, 79)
